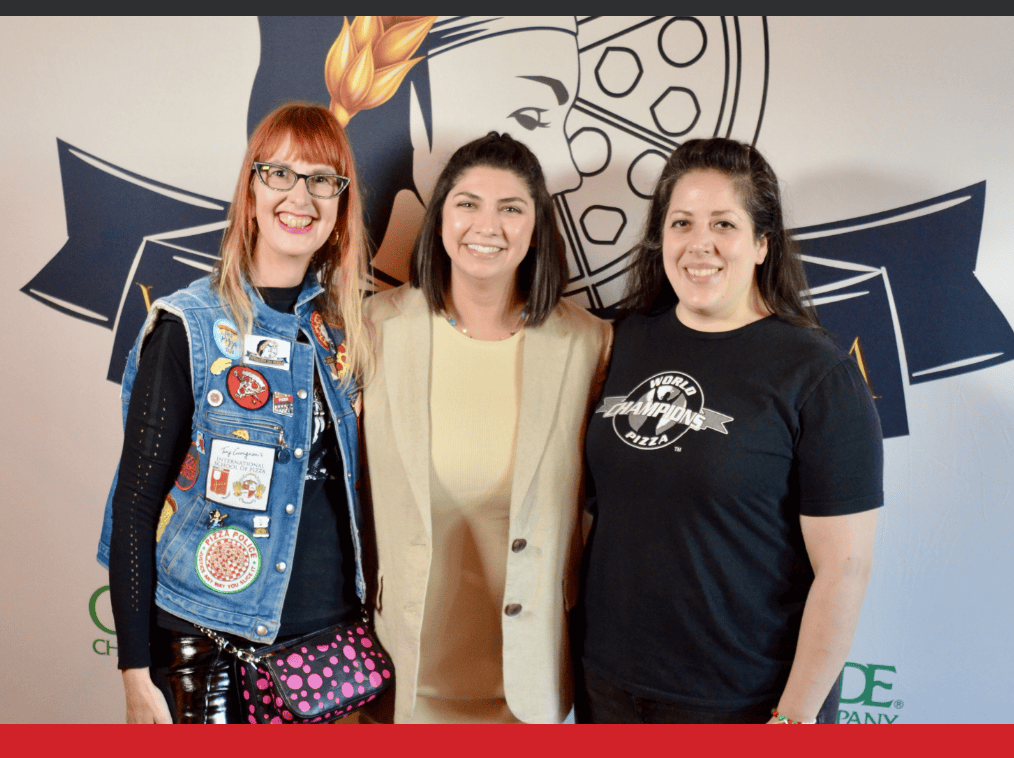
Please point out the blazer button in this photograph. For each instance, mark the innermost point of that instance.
(518, 545)
(301, 394)
(261, 630)
(513, 609)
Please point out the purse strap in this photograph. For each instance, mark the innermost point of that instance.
(250, 655)
(247, 656)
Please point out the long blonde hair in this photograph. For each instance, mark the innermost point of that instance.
(340, 264)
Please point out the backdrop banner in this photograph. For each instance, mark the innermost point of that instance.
(125, 135)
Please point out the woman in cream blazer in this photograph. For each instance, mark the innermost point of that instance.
(490, 200)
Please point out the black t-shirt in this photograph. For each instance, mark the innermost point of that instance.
(321, 588)
(705, 450)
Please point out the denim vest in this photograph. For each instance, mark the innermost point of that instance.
(227, 533)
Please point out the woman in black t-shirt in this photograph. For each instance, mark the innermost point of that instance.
(738, 462)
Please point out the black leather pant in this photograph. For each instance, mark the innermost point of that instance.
(196, 677)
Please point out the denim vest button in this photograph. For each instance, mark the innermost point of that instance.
(301, 394)
(298, 452)
(261, 630)
(290, 508)
(280, 567)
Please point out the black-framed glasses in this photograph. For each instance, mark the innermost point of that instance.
(324, 186)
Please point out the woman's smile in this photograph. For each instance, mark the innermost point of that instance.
(295, 224)
(701, 274)
(485, 250)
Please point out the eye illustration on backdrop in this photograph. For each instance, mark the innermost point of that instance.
(602, 101)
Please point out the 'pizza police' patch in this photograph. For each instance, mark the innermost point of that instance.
(227, 560)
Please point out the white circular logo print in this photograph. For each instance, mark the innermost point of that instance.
(659, 411)
(227, 560)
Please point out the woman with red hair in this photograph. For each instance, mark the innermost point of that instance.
(234, 512)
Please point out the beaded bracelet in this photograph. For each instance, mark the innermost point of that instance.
(786, 720)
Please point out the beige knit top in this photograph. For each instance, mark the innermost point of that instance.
(475, 394)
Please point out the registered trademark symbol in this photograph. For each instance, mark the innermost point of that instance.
(899, 703)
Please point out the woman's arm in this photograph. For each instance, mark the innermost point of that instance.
(156, 434)
(840, 549)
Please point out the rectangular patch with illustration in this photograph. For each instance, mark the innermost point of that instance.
(266, 352)
(239, 475)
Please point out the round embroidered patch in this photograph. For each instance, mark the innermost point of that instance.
(190, 470)
(227, 560)
(227, 338)
(319, 330)
(248, 387)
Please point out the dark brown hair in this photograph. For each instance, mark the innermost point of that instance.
(543, 272)
(780, 278)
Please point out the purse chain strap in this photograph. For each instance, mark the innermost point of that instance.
(246, 656)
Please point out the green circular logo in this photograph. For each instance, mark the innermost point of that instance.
(95, 616)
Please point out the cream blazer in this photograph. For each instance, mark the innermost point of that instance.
(564, 367)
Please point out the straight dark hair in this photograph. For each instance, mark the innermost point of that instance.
(542, 274)
(780, 278)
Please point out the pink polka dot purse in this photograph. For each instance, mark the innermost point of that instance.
(313, 679)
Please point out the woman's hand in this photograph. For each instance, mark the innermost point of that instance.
(145, 702)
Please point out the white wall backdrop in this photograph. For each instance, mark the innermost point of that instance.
(861, 116)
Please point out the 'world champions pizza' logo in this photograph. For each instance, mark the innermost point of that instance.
(660, 410)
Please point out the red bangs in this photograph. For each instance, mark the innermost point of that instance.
(314, 137)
